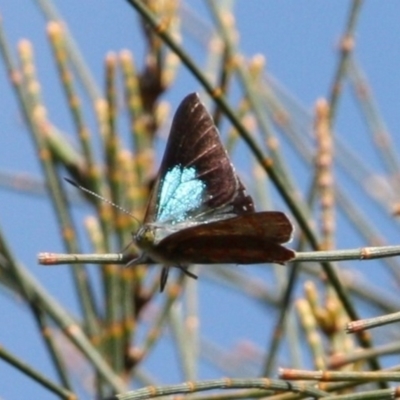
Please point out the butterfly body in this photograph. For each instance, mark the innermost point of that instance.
(199, 211)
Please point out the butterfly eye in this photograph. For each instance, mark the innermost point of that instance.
(145, 237)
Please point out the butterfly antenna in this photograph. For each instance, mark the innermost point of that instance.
(101, 198)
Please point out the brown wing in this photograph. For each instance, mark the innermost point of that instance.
(246, 239)
(194, 141)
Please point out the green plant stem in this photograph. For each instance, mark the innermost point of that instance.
(28, 370)
(268, 385)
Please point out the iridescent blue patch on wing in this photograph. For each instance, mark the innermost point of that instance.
(180, 194)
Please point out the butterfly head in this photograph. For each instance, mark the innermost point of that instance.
(145, 237)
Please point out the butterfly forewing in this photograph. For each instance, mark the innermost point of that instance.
(196, 178)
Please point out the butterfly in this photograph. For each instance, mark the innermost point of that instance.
(199, 211)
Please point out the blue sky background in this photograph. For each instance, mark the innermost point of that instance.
(299, 40)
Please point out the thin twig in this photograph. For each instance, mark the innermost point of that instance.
(363, 253)
(270, 385)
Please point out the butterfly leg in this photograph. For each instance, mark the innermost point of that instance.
(142, 259)
(163, 278)
(165, 272)
(186, 271)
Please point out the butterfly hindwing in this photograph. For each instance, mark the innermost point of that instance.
(245, 239)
